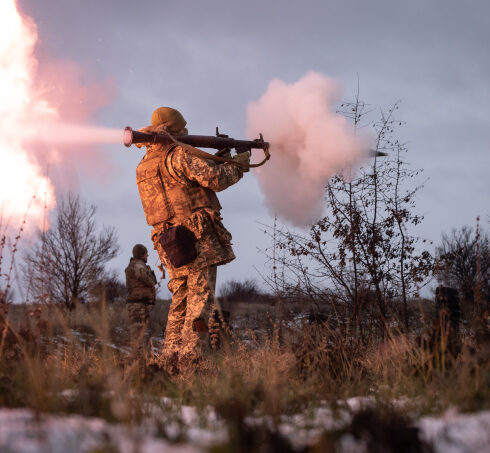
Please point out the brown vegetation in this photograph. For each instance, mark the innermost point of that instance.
(283, 365)
(343, 319)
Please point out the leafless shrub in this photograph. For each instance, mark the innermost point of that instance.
(464, 262)
(234, 290)
(70, 257)
(110, 287)
(359, 256)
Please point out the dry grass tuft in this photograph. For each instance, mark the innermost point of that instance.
(57, 360)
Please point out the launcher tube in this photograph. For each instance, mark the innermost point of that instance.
(207, 141)
(199, 141)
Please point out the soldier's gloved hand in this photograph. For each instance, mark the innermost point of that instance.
(226, 153)
(244, 159)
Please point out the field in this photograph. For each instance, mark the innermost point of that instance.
(280, 379)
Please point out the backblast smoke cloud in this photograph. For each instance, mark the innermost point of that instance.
(309, 144)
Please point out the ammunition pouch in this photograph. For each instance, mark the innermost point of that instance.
(179, 244)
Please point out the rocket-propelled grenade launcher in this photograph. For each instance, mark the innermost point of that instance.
(219, 142)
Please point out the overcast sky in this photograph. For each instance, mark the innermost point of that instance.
(210, 59)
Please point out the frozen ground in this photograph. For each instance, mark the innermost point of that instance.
(22, 431)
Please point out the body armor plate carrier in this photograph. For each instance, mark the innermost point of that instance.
(166, 198)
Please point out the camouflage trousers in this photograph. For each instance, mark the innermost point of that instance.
(139, 316)
(187, 331)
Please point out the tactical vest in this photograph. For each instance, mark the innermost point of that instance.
(166, 198)
(138, 290)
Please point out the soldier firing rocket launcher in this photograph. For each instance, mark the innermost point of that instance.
(221, 142)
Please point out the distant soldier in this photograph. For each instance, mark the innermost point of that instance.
(140, 281)
(177, 190)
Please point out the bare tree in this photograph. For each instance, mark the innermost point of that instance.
(234, 290)
(464, 262)
(70, 258)
(360, 256)
(109, 287)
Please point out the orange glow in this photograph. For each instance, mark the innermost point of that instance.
(24, 188)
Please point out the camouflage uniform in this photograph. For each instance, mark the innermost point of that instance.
(140, 281)
(188, 198)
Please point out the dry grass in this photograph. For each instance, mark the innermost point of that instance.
(54, 360)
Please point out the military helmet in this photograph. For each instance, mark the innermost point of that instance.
(172, 119)
(139, 251)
